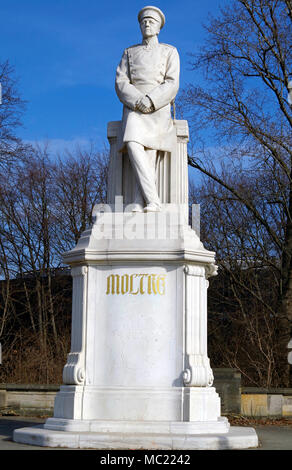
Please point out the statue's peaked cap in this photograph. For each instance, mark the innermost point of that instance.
(157, 14)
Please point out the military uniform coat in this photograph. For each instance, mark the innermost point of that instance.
(151, 70)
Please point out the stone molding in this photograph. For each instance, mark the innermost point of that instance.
(74, 370)
(198, 372)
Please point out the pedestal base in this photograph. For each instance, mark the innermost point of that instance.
(138, 375)
(138, 435)
(87, 403)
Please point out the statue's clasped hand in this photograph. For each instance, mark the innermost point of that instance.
(145, 105)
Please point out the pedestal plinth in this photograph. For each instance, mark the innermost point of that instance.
(138, 374)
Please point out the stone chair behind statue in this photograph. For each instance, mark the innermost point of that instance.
(171, 169)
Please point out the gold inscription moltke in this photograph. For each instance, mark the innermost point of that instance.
(134, 284)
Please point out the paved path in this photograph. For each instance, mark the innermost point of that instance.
(7, 426)
(271, 437)
(274, 437)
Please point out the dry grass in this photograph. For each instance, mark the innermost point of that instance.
(30, 362)
(239, 420)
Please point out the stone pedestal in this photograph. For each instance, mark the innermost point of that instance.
(138, 374)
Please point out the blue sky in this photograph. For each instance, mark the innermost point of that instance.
(65, 53)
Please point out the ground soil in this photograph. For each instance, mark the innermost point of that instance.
(238, 420)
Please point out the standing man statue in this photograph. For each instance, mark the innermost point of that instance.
(147, 81)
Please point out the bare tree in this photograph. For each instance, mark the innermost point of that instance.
(26, 205)
(11, 109)
(44, 206)
(243, 297)
(244, 112)
(80, 182)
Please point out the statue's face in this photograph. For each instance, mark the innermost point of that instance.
(149, 27)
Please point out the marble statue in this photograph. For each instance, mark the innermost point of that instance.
(147, 81)
(138, 375)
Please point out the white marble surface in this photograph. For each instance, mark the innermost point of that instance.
(127, 237)
(140, 331)
(137, 404)
(139, 348)
(220, 426)
(139, 326)
(235, 438)
(135, 338)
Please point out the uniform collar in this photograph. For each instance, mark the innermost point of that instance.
(150, 43)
